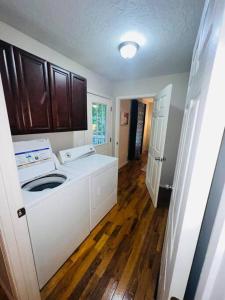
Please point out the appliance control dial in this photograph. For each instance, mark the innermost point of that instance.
(68, 154)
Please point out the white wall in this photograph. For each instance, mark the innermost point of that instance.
(58, 140)
(150, 87)
(124, 134)
(95, 83)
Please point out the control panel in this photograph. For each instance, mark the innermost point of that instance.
(76, 153)
(32, 156)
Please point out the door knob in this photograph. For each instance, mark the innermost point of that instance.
(157, 158)
(160, 159)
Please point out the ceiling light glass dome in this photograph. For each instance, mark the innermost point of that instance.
(128, 49)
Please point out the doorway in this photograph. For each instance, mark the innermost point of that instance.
(134, 129)
(156, 141)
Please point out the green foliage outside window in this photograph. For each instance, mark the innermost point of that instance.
(99, 123)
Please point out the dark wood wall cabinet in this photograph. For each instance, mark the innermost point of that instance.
(9, 81)
(41, 97)
(79, 107)
(60, 91)
(32, 75)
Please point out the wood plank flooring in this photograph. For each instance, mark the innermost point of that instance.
(121, 257)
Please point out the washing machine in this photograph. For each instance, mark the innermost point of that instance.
(102, 172)
(57, 206)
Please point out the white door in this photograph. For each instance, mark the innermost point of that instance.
(201, 136)
(100, 124)
(157, 142)
(15, 247)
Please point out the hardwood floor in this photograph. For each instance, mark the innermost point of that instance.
(121, 257)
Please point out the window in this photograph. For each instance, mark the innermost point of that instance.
(99, 123)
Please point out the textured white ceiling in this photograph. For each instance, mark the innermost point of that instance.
(89, 32)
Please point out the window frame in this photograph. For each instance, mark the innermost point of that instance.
(106, 122)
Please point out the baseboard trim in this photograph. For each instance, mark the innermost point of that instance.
(123, 164)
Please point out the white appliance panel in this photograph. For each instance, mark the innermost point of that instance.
(58, 225)
(72, 154)
(33, 158)
(102, 171)
(104, 193)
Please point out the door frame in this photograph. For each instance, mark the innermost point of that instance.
(88, 134)
(15, 240)
(211, 128)
(116, 117)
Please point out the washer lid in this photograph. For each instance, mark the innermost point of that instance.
(33, 158)
(90, 164)
(47, 182)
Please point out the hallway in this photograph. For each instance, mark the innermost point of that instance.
(121, 257)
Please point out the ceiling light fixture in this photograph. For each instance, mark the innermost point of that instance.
(133, 36)
(128, 49)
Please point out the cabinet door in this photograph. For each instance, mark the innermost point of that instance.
(7, 69)
(79, 102)
(60, 97)
(34, 91)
